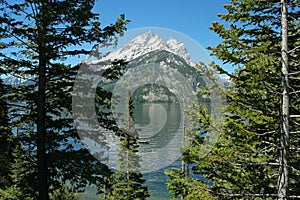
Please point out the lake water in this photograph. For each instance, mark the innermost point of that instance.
(161, 136)
(161, 124)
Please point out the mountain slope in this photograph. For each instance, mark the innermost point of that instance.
(146, 43)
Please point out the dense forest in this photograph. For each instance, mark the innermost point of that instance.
(257, 152)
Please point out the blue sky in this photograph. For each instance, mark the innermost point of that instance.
(190, 17)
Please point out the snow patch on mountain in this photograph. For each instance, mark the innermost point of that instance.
(19, 80)
(146, 43)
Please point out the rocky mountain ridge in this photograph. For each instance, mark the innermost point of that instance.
(146, 43)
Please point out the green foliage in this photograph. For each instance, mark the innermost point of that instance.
(190, 183)
(65, 192)
(127, 185)
(23, 173)
(8, 193)
(244, 162)
(52, 32)
(127, 181)
(5, 140)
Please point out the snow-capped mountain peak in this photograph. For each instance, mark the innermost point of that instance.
(146, 43)
(179, 49)
(19, 80)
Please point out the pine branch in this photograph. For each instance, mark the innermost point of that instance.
(24, 43)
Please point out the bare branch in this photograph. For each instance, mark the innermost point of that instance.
(265, 133)
(294, 73)
(294, 116)
(292, 35)
(270, 143)
(294, 49)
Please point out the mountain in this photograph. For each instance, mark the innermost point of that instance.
(147, 43)
(164, 58)
(156, 92)
(146, 48)
(225, 81)
(15, 81)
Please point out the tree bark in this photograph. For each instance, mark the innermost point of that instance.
(41, 134)
(41, 113)
(283, 177)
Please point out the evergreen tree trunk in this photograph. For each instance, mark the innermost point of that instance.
(41, 131)
(283, 177)
(41, 115)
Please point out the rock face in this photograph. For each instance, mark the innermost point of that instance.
(140, 46)
(146, 43)
(165, 59)
(148, 49)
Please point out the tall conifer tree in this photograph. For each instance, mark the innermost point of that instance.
(256, 154)
(37, 37)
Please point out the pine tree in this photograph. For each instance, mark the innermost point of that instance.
(65, 192)
(35, 50)
(246, 162)
(5, 140)
(23, 173)
(127, 180)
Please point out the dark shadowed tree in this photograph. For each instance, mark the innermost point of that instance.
(5, 140)
(37, 38)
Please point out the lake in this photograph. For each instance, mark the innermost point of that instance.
(160, 137)
(160, 124)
